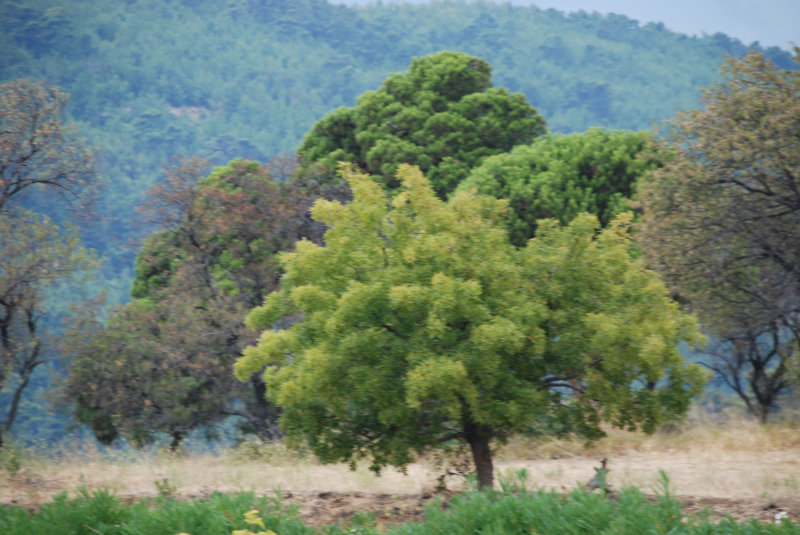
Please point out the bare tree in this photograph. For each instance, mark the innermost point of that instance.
(754, 363)
(34, 254)
(37, 148)
(37, 151)
(722, 219)
(30, 350)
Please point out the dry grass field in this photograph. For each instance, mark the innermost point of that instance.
(738, 461)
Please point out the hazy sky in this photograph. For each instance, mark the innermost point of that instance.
(771, 22)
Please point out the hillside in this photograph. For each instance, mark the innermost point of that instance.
(153, 78)
(247, 78)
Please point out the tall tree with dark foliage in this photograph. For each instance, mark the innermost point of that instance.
(164, 362)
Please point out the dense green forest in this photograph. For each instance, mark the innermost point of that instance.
(150, 79)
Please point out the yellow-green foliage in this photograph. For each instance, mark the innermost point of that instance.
(420, 319)
(252, 518)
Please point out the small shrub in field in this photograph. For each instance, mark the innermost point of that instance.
(11, 458)
(252, 518)
(165, 488)
(274, 454)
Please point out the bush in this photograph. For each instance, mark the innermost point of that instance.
(102, 512)
(514, 510)
(11, 458)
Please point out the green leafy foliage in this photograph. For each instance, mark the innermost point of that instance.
(543, 513)
(561, 176)
(443, 115)
(247, 79)
(102, 512)
(422, 323)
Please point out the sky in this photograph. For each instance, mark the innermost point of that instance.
(770, 22)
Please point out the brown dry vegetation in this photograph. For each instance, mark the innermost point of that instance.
(735, 467)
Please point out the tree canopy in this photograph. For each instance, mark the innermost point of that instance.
(722, 218)
(37, 149)
(422, 324)
(443, 115)
(560, 176)
(163, 362)
(153, 368)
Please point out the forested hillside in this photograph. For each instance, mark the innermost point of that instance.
(154, 78)
(150, 79)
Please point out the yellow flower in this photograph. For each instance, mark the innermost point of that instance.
(252, 518)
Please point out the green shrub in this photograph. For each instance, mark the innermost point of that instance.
(511, 511)
(102, 512)
(11, 458)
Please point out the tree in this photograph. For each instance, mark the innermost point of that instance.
(443, 115)
(163, 363)
(722, 217)
(756, 364)
(36, 147)
(422, 324)
(34, 254)
(36, 150)
(560, 176)
(156, 367)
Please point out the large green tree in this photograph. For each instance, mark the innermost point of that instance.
(722, 222)
(422, 324)
(442, 115)
(561, 176)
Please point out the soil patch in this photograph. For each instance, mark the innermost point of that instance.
(742, 510)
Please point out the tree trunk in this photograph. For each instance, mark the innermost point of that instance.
(260, 413)
(763, 417)
(177, 438)
(266, 413)
(29, 365)
(12, 413)
(479, 438)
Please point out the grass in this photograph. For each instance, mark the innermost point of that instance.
(102, 512)
(262, 469)
(512, 510)
(729, 457)
(731, 431)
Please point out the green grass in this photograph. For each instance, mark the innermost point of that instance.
(101, 512)
(510, 511)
